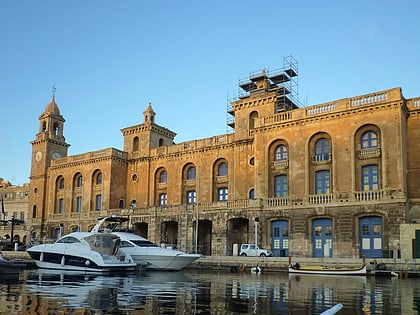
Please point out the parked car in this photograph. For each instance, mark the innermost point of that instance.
(254, 250)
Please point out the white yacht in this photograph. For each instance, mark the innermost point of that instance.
(144, 252)
(83, 251)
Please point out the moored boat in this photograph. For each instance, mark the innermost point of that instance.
(11, 266)
(144, 252)
(83, 251)
(328, 270)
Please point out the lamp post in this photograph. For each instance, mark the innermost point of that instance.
(256, 221)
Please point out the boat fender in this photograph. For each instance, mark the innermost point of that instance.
(242, 268)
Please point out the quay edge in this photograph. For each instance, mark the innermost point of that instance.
(405, 267)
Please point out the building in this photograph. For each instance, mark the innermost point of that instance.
(330, 180)
(14, 206)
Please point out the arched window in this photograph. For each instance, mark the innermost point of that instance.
(369, 140)
(163, 177)
(120, 204)
(191, 173)
(79, 181)
(56, 129)
(222, 170)
(99, 179)
(280, 154)
(61, 183)
(136, 144)
(322, 150)
(161, 142)
(252, 193)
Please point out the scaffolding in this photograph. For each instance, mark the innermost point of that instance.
(283, 81)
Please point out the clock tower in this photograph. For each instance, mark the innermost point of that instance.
(49, 144)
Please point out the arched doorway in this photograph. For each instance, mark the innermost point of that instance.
(322, 238)
(237, 233)
(280, 238)
(371, 237)
(169, 234)
(204, 237)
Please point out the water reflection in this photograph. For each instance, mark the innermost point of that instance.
(197, 292)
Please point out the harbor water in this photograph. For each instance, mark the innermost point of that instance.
(204, 292)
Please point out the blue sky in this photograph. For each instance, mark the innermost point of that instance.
(109, 59)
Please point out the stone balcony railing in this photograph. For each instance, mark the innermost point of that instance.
(259, 204)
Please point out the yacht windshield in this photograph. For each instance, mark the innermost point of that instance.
(144, 243)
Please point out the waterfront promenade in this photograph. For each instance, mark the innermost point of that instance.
(409, 267)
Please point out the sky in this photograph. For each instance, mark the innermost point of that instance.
(108, 59)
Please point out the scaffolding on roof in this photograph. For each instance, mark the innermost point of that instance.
(283, 81)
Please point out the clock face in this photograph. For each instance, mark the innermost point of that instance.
(55, 155)
(38, 156)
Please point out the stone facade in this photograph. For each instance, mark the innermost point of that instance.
(336, 179)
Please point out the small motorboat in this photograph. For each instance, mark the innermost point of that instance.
(328, 270)
(11, 266)
(144, 252)
(83, 251)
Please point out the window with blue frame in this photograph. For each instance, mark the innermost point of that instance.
(370, 177)
(78, 203)
(280, 186)
(322, 182)
(369, 140)
(98, 202)
(163, 199)
(222, 170)
(99, 179)
(191, 197)
(280, 154)
(60, 205)
(322, 150)
(191, 173)
(222, 194)
(163, 177)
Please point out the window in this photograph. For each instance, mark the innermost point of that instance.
(34, 212)
(322, 150)
(163, 177)
(78, 203)
(79, 181)
(99, 179)
(369, 140)
(191, 197)
(162, 199)
(222, 194)
(322, 182)
(98, 202)
(136, 144)
(280, 154)
(60, 205)
(191, 173)
(22, 216)
(280, 186)
(252, 194)
(61, 184)
(222, 169)
(370, 177)
(161, 142)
